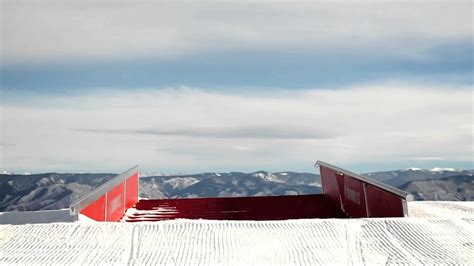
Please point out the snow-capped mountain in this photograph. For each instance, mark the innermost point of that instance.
(229, 184)
(242, 185)
(45, 191)
(397, 178)
(452, 188)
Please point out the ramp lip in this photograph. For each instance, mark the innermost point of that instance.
(362, 178)
(80, 204)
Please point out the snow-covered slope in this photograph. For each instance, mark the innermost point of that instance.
(294, 242)
(375, 241)
(441, 209)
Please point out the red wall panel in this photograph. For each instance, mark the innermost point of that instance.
(95, 210)
(115, 203)
(131, 191)
(357, 198)
(354, 197)
(239, 208)
(383, 204)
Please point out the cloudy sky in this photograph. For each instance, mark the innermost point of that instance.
(181, 87)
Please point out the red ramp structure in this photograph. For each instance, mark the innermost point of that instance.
(109, 201)
(359, 196)
(345, 195)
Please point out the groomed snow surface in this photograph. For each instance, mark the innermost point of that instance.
(448, 240)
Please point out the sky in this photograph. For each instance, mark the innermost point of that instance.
(186, 86)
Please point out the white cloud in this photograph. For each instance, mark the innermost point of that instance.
(189, 129)
(78, 30)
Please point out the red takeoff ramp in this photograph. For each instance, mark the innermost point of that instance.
(345, 195)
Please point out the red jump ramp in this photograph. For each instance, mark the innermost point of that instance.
(345, 195)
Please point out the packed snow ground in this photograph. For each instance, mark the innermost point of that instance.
(441, 209)
(190, 242)
(448, 240)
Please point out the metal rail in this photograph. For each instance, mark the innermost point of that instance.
(85, 201)
(376, 183)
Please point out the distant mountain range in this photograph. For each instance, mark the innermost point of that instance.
(436, 184)
(233, 184)
(54, 191)
(45, 191)
(400, 177)
(459, 187)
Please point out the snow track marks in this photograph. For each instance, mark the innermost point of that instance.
(191, 242)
